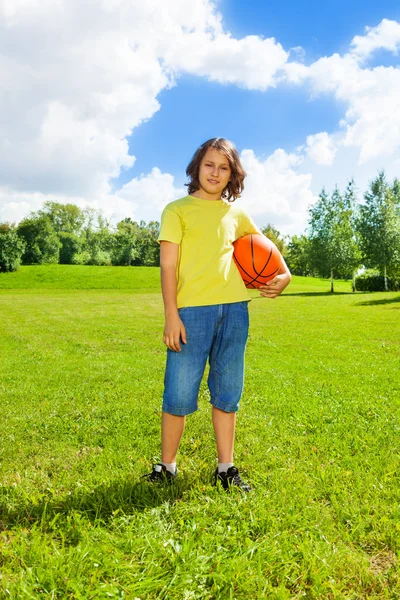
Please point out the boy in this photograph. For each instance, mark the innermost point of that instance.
(206, 304)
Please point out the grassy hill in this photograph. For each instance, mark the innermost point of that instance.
(81, 377)
(85, 277)
(81, 277)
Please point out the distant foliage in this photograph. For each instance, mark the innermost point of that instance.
(100, 259)
(42, 244)
(376, 283)
(64, 218)
(71, 245)
(333, 245)
(125, 243)
(378, 227)
(276, 237)
(11, 249)
(342, 235)
(298, 256)
(97, 239)
(148, 249)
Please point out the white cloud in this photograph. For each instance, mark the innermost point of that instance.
(147, 195)
(299, 52)
(321, 148)
(371, 96)
(75, 94)
(142, 198)
(275, 192)
(251, 62)
(81, 76)
(385, 36)
(15, 205)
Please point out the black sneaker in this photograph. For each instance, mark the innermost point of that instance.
(160, 474)
(231, 478)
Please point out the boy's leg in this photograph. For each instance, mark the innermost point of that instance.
(224, 428)
(184, 371)
(226, 376)
(172, 427)
(225, 382)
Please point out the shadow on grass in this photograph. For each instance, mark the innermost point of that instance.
(333, 294)
(381, 301)
(100, 504)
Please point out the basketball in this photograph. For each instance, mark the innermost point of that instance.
(257, 258)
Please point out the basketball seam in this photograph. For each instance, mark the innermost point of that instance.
(244, 271)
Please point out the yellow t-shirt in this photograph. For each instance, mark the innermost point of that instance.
(205, 231)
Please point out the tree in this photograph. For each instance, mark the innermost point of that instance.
(65, 218)
(333, 245)
(148, 249)
(42, 243)
(275, 236)
(395, 268)
(97, 238)
(71, 245)
(321, 215)
(124, 249)
(346, 234)
(11, 248)
(298, 256)
(378, 227)
(396, 193)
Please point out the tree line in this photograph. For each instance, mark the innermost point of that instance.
(342, 235)
(67, 234)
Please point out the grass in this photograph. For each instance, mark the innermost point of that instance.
(81, 369)
(81, 277)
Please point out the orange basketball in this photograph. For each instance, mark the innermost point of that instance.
(257, 258)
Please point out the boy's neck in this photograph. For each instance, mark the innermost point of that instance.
(203, 195)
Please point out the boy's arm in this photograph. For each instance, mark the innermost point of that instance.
(275, 287)
(174, 329)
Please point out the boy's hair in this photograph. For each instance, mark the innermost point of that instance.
(235, 186)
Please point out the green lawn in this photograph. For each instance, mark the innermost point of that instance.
(81, 370)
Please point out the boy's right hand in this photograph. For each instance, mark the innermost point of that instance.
(174, 332)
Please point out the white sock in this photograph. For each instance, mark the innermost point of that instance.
(223, 467)
(171, 467)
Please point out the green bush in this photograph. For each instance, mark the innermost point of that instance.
(82, 258)
(42, 242)
(100, 258)
(374, 282)
(11, 251)
(122, 249)
(71, 245)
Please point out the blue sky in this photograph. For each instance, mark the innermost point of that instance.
(109, 116)
(195, 111)
(321, 28)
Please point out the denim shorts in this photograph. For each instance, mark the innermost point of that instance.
(217, 333)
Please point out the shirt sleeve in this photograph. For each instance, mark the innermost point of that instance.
(171, 226)
(246, 225)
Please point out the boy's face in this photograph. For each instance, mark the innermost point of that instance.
(214, 174)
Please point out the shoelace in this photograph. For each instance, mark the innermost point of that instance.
(236, 479)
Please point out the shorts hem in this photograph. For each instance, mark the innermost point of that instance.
(177, 411)
(228, 408)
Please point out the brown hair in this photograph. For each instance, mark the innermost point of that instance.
(235, 185)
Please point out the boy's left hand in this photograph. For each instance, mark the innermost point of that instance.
(275, 287)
